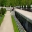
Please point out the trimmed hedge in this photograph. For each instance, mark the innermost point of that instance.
(3, 10)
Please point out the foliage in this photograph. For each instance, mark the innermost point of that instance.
(14, 25)
(2, 3)
(15, 2)
(1, 19)
(3, 10)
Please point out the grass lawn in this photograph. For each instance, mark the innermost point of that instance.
(14, 25)
(1, 19)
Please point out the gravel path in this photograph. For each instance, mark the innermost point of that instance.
(7, 25)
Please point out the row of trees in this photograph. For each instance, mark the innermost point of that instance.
(21, 2)
(15, 2)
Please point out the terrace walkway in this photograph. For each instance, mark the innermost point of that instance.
(7, 25)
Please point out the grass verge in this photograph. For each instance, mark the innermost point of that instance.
(14, 25)
(1, 19)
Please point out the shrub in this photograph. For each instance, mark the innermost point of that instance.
(3, 10)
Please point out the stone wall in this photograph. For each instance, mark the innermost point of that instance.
(24, 21)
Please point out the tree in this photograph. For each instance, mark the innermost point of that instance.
(3, 2)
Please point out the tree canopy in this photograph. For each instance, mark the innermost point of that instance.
(15, 2)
